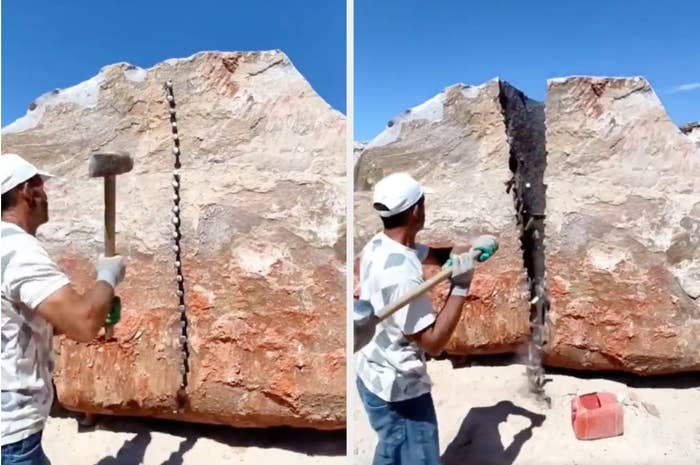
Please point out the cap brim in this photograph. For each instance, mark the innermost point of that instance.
(44, 174)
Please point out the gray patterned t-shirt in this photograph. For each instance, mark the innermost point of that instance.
(392, 366)
(28, 277)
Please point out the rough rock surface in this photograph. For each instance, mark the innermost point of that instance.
(692, 130)
(622, 226)
(263, 172)
(357, 148)
(623, 229)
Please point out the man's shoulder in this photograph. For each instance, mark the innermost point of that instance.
(380, 244)
(16, 240)
(12, 231)
(20, 248)
(375, 243)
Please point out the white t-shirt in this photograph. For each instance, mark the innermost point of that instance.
(28, 277)
(392, 366)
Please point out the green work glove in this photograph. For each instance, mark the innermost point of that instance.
(487, 244)
(115, 313)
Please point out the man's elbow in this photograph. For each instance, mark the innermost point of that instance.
(432, 347)
(429, 341)
(434, 350)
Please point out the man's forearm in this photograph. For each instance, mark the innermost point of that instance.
(447, 320)
(99, 298)
(434, 338)
(77, 316)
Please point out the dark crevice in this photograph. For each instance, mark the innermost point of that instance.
(689, 127)
(260, 71)
(525, 129)
(182, 394)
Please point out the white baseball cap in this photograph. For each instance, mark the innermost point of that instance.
(15, 170)
(396, 193)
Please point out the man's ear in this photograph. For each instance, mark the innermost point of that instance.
(25, 191)
(29, 193)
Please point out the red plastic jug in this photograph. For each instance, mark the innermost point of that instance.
(596, 415)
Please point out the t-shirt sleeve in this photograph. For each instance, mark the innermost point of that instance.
(31, 276)
(417, 315)
(422, 251)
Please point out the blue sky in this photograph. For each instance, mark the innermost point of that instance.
(406, 51)
(48, 44)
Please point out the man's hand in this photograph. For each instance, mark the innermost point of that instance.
(111, 270)
(487, 244)
(462, 274)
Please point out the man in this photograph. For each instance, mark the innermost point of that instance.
(392, 377)
(37, 300)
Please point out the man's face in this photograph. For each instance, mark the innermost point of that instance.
(419, 216)
(38, 200)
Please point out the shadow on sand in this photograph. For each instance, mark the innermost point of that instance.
(478, 441)
(304, 441)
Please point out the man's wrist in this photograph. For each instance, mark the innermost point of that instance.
(460, 291)
(107, 277)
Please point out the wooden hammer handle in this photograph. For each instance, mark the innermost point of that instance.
(110, 215)
(390, 309)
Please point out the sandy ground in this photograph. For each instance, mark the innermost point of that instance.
(134, 441)
(661, 419)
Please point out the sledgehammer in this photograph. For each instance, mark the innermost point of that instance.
(108, 166)
(365, 319)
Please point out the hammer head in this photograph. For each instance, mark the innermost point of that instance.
(365, 324)
(110, 164)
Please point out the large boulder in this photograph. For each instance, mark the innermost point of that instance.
(263, 177)
(622, 217)
(623, 229)
(456, 145)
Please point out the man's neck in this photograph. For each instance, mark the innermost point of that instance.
(402, 236)
(12, 217)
